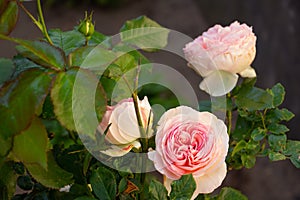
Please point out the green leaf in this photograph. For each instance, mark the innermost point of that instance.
(6, 69)
(277, 142)
(98, 38)
(41, 53)
(9, 17)
(258, 134)
(122, 185)
(21, 63)
(295, 159)
(292, 146)
(19, 100)
(94, 58)
(254, 99)
(242, 129)
(278, 93)
(6, 145)
(85, 198)
(183, 188)
(76, 95)
(31, 145)
(277, 128)
(144, 33)
(248, 160)
(67, 41)
(104, 184)
(241, 145)
(282, 114)
(228, 193)
(275, 156)
(8, 180)
(157, 191)
(54, 177)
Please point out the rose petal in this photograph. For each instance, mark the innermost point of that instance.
(120, 150)
(210, 181)
(219, 83)
(249, 72)
(160, 165)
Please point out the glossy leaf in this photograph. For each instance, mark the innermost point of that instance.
(30, 146)
(258, 134)
(157, 191)
(21, 64)
(295, 159)
(277, 142)
(53, 177)
(183, 188)
(277, 128)
(104, 184)
(41, 53)
(275, 156)
(67, 41)
(76, 95)
(144, 33)
(92, 57)
(9, 17)
(6, 69)
(19, 100)
(254, 99)
(228, 193)
(239, 147)
(292, 146)
(278, 93)
(98, 38)
(248, 160)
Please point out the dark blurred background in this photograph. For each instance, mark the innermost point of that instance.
(276, 24)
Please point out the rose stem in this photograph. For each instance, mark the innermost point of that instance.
(229, 117)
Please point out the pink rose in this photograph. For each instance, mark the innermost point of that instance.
(124, 130)
(220, 54)
(191, 142)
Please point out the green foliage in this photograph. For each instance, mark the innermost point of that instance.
(54, 93)
(258, 131)
(21, 99)
(27, 139)
(6, 69)
(144, 33)
(9, 13)
(104, 184)
(42, 53)
(67, 41)
(183, 188)
(157, 191)
(53, 177)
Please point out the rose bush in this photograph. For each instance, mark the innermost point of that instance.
(122, 127)
(191, 142)
(220, 54)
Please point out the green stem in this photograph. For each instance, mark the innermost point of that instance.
(41, 18)
(229, 116)
(37, 23)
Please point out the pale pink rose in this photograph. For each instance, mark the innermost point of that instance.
(191, 142)
(124, 130)
(220, 54)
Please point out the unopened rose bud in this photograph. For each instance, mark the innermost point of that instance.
(86, 26)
